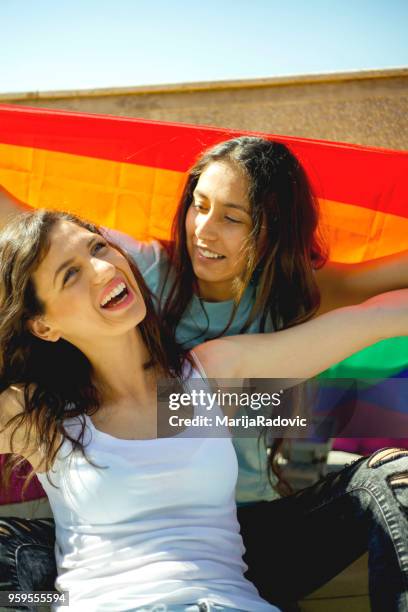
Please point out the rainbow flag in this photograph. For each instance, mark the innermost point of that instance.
(128, 173)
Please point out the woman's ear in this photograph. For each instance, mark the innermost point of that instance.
(38, 327)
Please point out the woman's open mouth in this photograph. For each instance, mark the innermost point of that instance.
(118, 297)
(208, 255)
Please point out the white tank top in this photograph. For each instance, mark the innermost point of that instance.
(157, 525)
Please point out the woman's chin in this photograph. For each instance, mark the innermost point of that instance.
(206, 273)
(129, 320)
(138, 316)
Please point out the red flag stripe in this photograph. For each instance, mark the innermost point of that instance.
(368, 177)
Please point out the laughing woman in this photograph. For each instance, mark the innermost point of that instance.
(245, 258)
(140, 521)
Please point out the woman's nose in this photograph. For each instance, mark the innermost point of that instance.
(103, 271)
(206, 227)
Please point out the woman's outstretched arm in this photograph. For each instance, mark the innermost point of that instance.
(310, 348)
(345, 284)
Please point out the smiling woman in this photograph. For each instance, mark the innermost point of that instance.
(218, 228)
(79, 382)
(245, 232)
(61, 304)
(80, 306)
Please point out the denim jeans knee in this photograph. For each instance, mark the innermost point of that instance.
(382, 481)
(27, 561)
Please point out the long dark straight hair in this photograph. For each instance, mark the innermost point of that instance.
(56, 377)
(282, 265)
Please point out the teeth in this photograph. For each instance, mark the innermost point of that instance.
(210, 254)
(121, 287)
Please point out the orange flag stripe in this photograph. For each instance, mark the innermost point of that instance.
(141, 200)
(358, 234)
(136, 199)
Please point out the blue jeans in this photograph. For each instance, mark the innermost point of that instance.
(308, 537)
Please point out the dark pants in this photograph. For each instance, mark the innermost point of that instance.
(294, 544)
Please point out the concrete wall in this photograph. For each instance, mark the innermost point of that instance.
(367, 108)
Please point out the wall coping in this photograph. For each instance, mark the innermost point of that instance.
(262, 83)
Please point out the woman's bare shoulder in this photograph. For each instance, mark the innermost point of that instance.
(12, 404)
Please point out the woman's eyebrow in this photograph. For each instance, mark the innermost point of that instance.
(200, 194)
(68, 262)
(237, 206)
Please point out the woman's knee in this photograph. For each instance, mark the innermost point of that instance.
(8, 569)
(386, 455)
(26, 553)
(389, 467)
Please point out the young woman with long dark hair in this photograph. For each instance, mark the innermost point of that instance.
(243, 260)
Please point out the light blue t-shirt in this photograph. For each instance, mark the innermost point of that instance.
(195, 327)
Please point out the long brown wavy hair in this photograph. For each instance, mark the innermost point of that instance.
(56, 377)
(282, 265)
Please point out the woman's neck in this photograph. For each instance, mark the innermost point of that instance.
(215, 292)
(118, 368)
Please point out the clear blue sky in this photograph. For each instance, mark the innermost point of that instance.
(79, 44)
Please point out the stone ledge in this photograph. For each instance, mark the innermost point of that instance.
(334, 77)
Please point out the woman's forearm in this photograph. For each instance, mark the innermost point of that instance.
(346, 284)
(308, 349)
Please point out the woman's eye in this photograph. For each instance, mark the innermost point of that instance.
(233, 220)
(199, 206)
(98, 246)
(69, 274)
